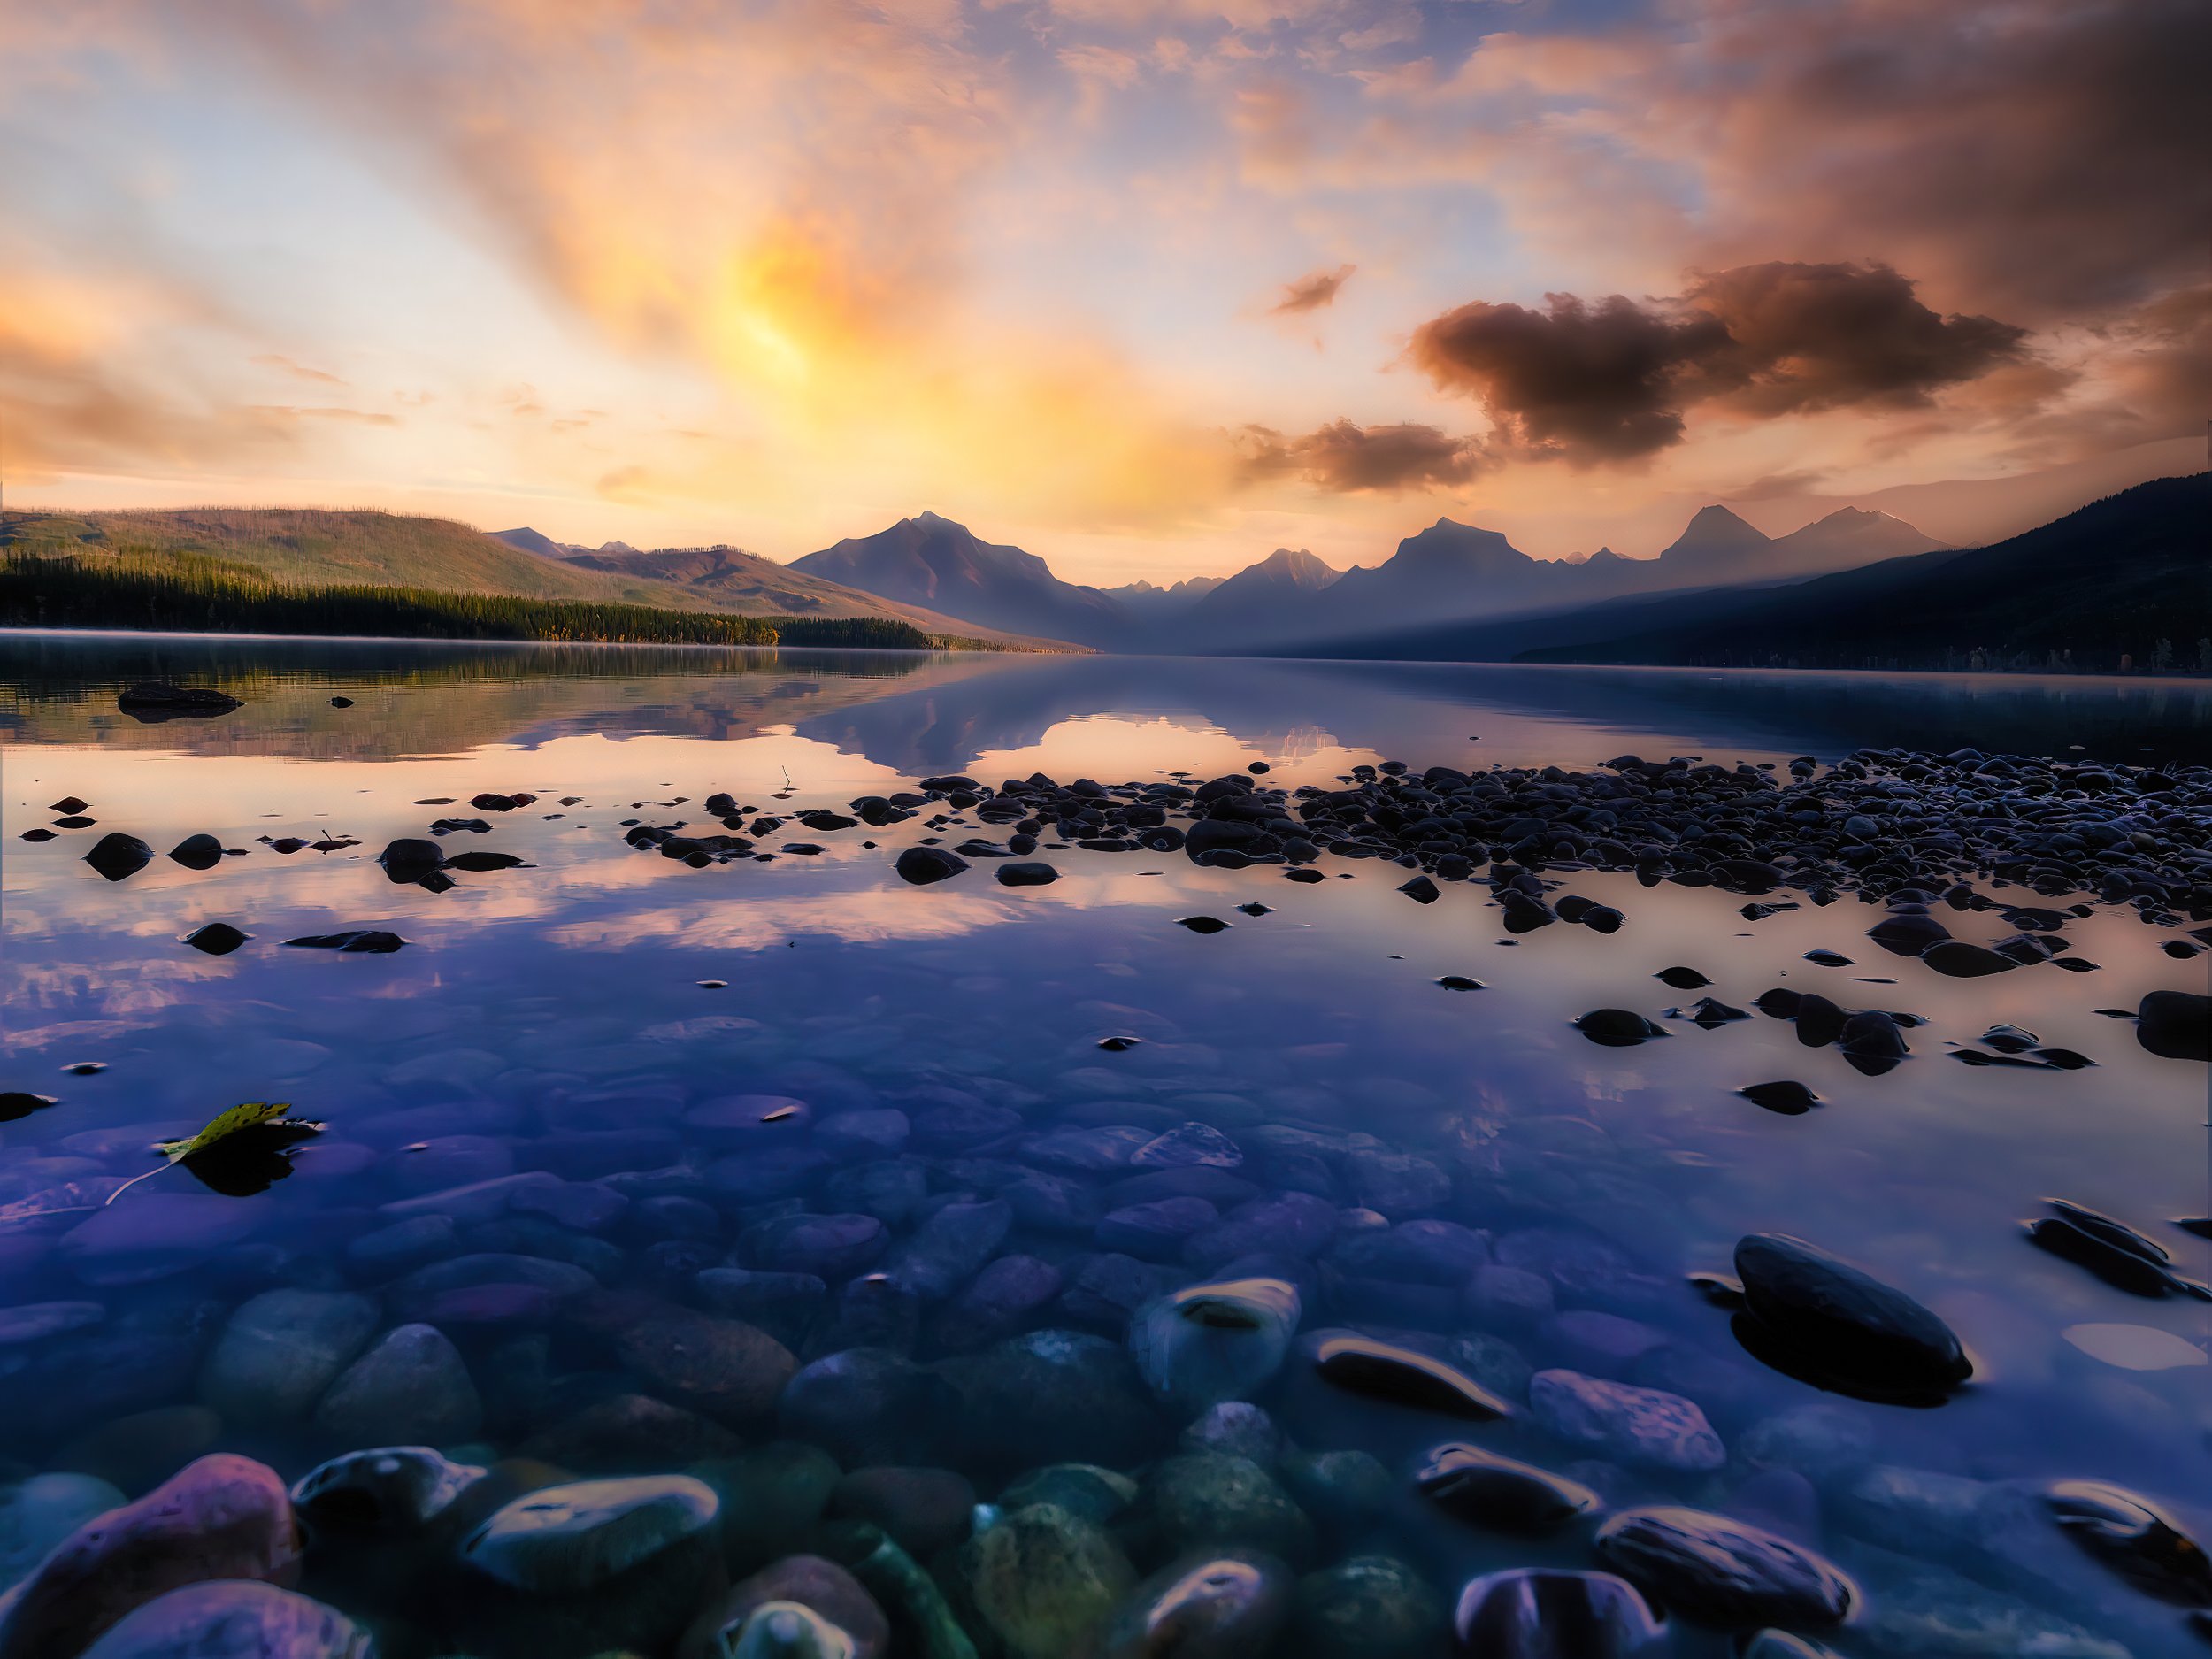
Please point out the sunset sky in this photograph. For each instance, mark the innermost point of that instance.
(1148, 287)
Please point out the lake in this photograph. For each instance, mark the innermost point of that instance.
(614, 1143)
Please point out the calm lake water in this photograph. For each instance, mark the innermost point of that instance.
(553, 1017)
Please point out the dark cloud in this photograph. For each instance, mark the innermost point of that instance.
(2045, 156)
(1312, 293)
(1345, 458)
(1612, 381)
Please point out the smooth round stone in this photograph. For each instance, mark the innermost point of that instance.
(281, 1350)
(1604, 1343)
(801, 1606)
(1508, 1296)
(1009, 1294)
(1440, 1253)
(1218, 1186)
(1499, 1494)
(950, 1247)
(403, 1245)
(1845, 1324)
(1211, 1501)
(391, 1490)
(780, 1301)
(1645, 1427)
(569, 1540)
(1086, 1489)
(720, 1366)
(1291, 1224)
(411, 1386)
(2133, 1537)
(892, 1190)
(626, 1432)
(450, 1161)
(1185, 1145)
(1155, 1232)
(1092, 1151)
(1368, 1607)
(1724, 1572)
(1237, 1428)
(1209, 1342)
(38, 1513)
(144, 1448)
(771, 1495)
(222, 1517)
(867, 1405)
(582, 1206)
(1401, 1376)
(1047, 1580)
(1546, 1613)
(1053, 1396)
(766, 1174)
(828, 1247)
(233, 1619)
(1227, 1606)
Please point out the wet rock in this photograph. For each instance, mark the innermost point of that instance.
(411, 859)
(1421, 890)
(1033, 873)
(1186, 1145)
(1237, 1429)
(1213, 1501)
(2175, 1024)
(2133, 1537)
(1217, 1342)
(869, 1405)
(1085, 1489)
(803, 1607)
(1386, 1372)
(236, 1619)
(153, 1235)
(1788, 1097)
(1644, 1427)
(392, 1491)
(1010, 1293)
(1819, 1021)
(375, 942)
(1225, 1606)
(950, 1248)
(828, 1247)
(627, 1432)
(1808, 1312)
(117, 856)
(153, 700)
(411, 1386)
(1618, 1027)
(919, 866)
(1053, 1396)
(1496, 1295)
(1046, 1580)
(1724, 1572)
(923, 1509)
(1681, 978)
(281, 1350)
(1924, 1608)
(1541, 1613)
(1367, 1607)
(221, 1517)
(594, 1565)
(216, 938)
(197, 852)
(722, 1367)
(1908, 934)
(1497, 1493)
(1958, 959)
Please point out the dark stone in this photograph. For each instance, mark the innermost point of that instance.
(359, 941)
(1616, 1027)
(197, 852)
(1489, 1491)
(1807, 1313)
(1027, 875)
(919, 866)
(217, 939)
(1382, 1371)
(2174, 1024)
(119, 857)
(1789, 1098)
(1724, 1572)
(1549, 1613)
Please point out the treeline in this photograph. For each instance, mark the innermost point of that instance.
(181, 593)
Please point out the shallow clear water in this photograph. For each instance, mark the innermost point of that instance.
(534, 1008)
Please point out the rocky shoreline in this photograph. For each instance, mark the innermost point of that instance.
(937, 1366)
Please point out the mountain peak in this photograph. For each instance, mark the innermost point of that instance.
(1715, 535)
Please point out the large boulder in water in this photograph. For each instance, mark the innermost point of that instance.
(223, 1517)
(1724, 1572)
(1811, 1315)
(2175, 1024)
(233, 1619)
(1546, 1613)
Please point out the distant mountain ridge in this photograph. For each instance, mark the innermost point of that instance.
(1450, 570)
(929, 560)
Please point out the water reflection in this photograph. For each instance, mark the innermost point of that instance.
(541, 1075)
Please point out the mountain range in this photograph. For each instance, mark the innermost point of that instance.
(1450, 571)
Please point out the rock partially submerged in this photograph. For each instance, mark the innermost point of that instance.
(1809, 1314)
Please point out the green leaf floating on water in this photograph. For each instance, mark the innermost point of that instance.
(253, 1114)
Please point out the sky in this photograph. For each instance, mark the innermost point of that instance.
(1148, 287)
